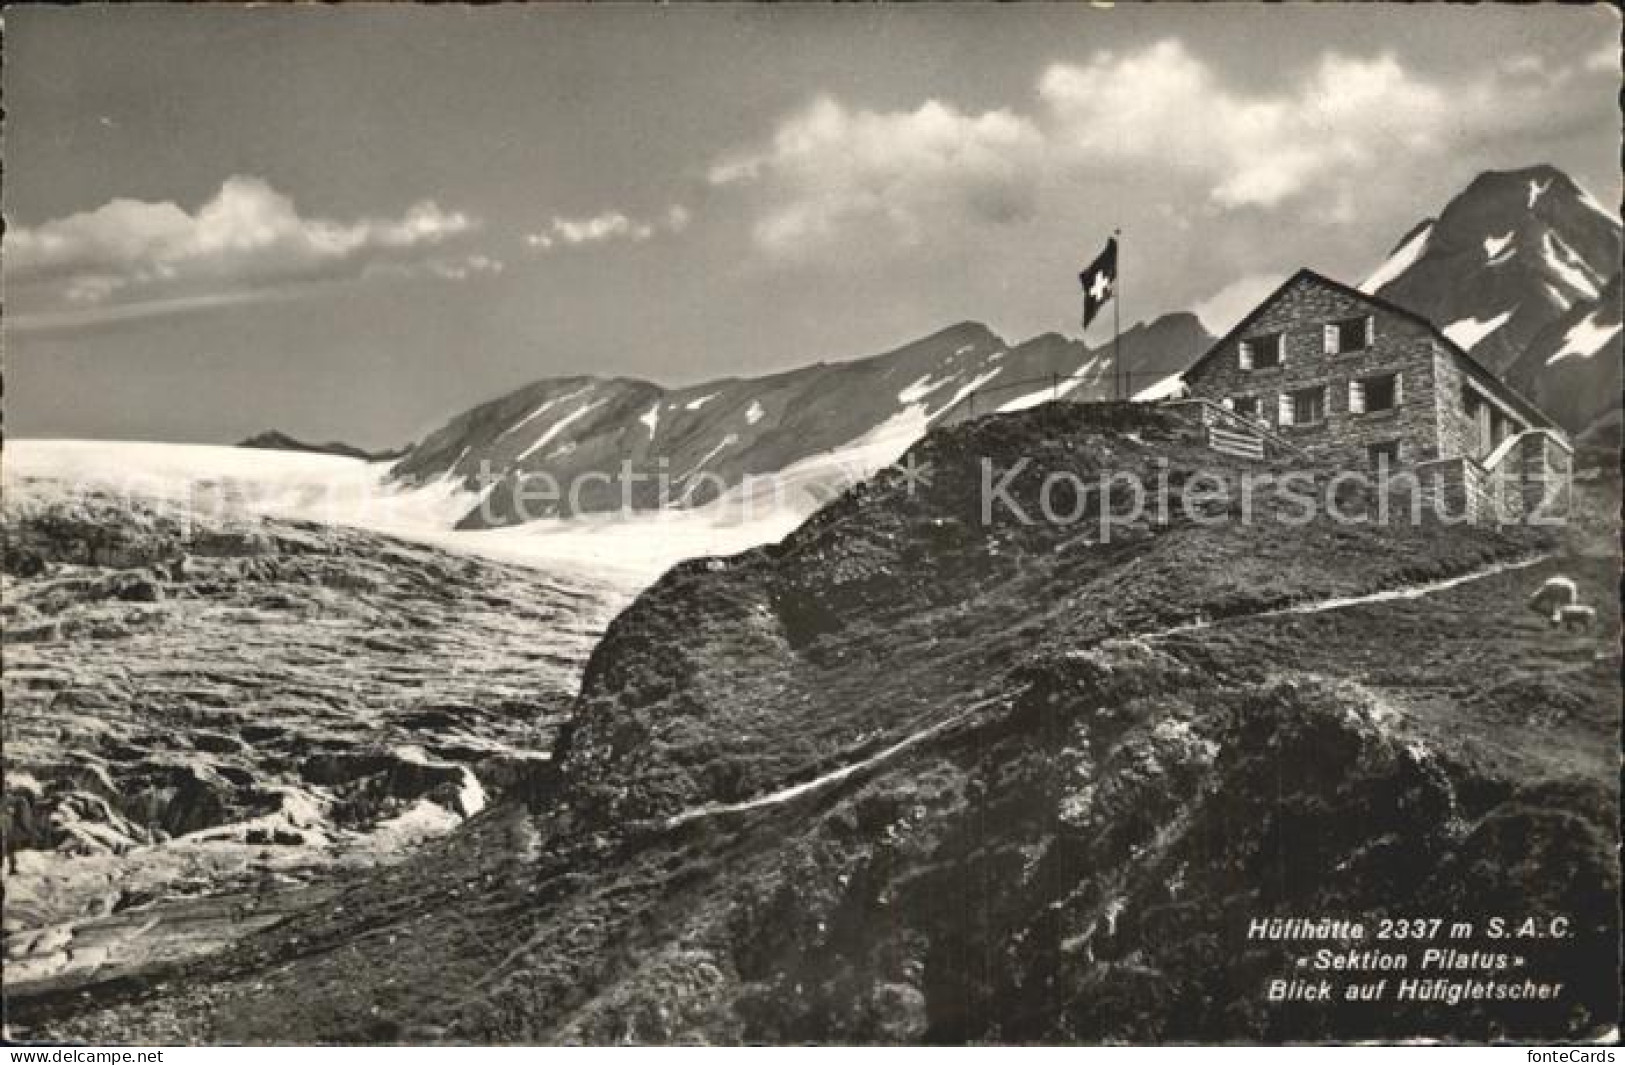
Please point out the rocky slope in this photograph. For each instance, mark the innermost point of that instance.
(913, 776)
(276, 440)
(632, 443)
(1512, 269)
(203, 717)
(1572, 369)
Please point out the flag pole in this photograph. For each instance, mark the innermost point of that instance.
(1117, 305)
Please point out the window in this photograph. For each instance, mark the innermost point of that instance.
(1384, 454)
(1261, 353)
(1373, 394)
(1245, 406)
(1349, 334)
(1491, 425)
(1306, 406)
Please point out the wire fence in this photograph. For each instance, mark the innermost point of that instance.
(1075, 388)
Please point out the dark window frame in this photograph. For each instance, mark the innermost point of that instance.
(1321, 392)
(1360, 327)
(1390, 380)
(1277, 347)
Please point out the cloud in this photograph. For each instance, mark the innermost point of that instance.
(601, 228)
(1164, 105)
(248, 239)
(831, 172)
(1221, 311)
(1319, 146)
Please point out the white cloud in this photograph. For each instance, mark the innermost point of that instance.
(1164, 105)
(1221, 311)
(1319, 147)
(830, 172)
(247, 239)
(601, 228)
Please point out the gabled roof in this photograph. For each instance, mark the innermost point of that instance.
(1477, 370)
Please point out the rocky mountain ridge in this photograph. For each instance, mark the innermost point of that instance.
(633, 444)
(1522, 268)
(276, 440)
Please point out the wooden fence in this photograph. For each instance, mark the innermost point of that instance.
(987, 400)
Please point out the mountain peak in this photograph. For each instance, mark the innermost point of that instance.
(1517, 267)
(965, 332)
(1542, 191)
(1508, 255)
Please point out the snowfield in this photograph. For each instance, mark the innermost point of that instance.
(628, 551)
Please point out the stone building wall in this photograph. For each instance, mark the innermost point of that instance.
(1458, 429)
(1398, 345)
(1545, 472)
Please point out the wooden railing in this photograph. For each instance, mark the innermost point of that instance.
(1215, 415)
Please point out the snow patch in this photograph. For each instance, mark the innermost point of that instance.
(1585, 338)
(1400, 261)
(1167, 388)
(556, 428)
(921, 388)
(470, 795)
(539, 411)
(1494, 247)
(696, 404)
(651, 418)
(1043, 395)
(975, 383)
(1569, 265)
(754, 414)
(726, 442)
(1561, 299)
(1537, 189)
(1469, 332)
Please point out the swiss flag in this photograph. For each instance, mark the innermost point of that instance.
(1099, 282)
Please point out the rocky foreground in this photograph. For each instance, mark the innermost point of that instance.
(911, 776)
(208, 720)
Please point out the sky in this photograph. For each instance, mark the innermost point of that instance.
(353, 222)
